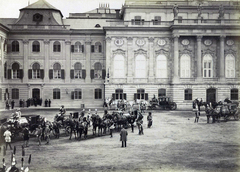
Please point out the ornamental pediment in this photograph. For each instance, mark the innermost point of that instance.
(140, 51)
(119, 51)
(162, 51)
(230, 51)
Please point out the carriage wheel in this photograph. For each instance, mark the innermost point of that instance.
(236, 117)
(67, 130)
(173, 106)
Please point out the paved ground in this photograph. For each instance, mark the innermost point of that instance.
(174, 144)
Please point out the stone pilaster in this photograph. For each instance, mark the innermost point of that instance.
(221, 60)
(88, 61)
(151, 59)
(46, 60)
(199, 57)
(108, 58)
(67, 60)
(130, 58)
(25, 60)
(176, 59)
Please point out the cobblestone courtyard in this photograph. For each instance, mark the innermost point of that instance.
(174, 143)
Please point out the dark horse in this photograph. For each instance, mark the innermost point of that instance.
(120, 120)
(97, 123)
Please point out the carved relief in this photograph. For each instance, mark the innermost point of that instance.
(230, 51)
(119, 51)
(186, 51)
(140, 51)
(162, 51)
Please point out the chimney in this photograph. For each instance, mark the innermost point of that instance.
(117, 14)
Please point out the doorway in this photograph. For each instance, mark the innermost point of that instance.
(36, 93)
(211, 95)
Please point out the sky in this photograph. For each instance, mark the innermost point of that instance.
(10, 8)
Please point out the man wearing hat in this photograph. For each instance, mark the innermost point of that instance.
(123, 137)
(7, 134)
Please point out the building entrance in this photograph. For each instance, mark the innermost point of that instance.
(36, 93)
(211, 95)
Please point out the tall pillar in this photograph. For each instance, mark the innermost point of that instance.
(199, 57)
(151, 60)
(221, 60)
(46, 60)
(25, 60)
(176, 58)
(88, 61)
(67, 60)
(108, 58)
(130, 60)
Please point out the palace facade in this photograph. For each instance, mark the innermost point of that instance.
(181, 49)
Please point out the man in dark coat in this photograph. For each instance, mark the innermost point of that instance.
(123, 137)
(26, 136)
(49, 103)
(12, 103)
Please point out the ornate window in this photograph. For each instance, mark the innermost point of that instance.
(234, 94)
(97, 48)
(56, 46)
(185, 62)
(119, 66)
(140, 66)
(78, 70)
(15, 93)
(56, 93)
(15, 71)
(36, 71)
(161, 66)
(161, 92)
(207, 66)
(97, 70)
(230, 66)
(77, 47)
(36, 46)
(188, 94)
(98, 93)
(56, 71)
(15, 46)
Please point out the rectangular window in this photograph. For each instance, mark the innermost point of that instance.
(56, 48)
(78, 94)
(78, 74)
(36, 48)
(157, 20)
(15, 93)
(15, 74)
(137, 20)
(92, 48)
(188, 94)
(140, 93)
(98, 93)
(234, 94)
(35, 74)
(161, 92)
(57, 74)
(56, 93)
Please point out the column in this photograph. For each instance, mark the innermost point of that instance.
(199, 57)
(67, 60)
(151, 60)
(221, 60)
(108, 58)
(130, 60)
(25, 60)
(46, 60)
(88, 61)
(176, 58)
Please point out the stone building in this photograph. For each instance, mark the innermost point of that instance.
(181, 49)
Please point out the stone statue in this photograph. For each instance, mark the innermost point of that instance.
(221, 11)
(199, 10)
(175, 10)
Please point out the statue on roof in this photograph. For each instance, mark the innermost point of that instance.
(199, 10)
(175, 10)
(221, 11)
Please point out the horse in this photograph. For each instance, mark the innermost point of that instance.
(120, 120)
(97, 123)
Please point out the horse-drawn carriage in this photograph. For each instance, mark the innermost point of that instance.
(225, 111)
(163, 102)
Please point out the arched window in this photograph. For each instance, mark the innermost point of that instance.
(119, 66)
(15, 93)
(98, 47)
(77, 70)
(234, 94)
(57, 71)
(36, 46)
(77, 47)
(15, 46)
(230, 66)
(207, 66)
(161, 92)
(56, 46)
(15, 71)
(97, 70)
(35, 71)
(98, 93)
(140, 66)
(56, 93)
(188, 94)
(161, 66)
(185, 62)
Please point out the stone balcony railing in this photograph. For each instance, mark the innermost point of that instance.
(40, 27)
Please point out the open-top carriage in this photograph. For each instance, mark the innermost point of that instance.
(162, 102)
(225, 111)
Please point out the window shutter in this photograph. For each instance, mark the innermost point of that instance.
(100, 48)
(50, 74)
(72, 48)
(92, 48)
(103, 74)
(124, 96)
(92, 73)
(113, 96)
(62, 74)
(146, 96)
(83, 73)
(135, 96)
(82, 48)
(72, 94)
(9, 73)
(29, 73)
(21, 73)
(72, 74)
(42, 73)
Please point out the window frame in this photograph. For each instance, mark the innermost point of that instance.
(163, 90)
(141, 94)
(57, 71)
(56, 93)
(208, 59)
(230, 71)
(56, 46)
(185, 66)
(78, 94)
(15, 93)
(15, 46)
(188, 94)
(161, 71)
(36, 47)
(97, 70)
(16, 71)
(98, 93)
(234, 94)
(78, 70)
(36, 73)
